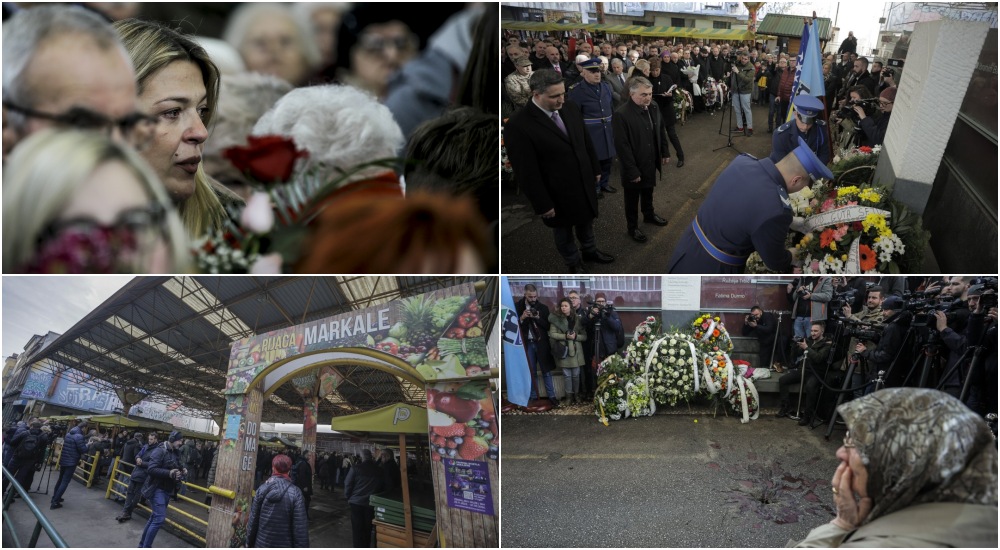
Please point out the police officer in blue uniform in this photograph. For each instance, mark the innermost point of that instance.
(747, 209)
(594, 97)
(805, 124)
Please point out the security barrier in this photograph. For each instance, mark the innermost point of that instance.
(86, 470)
(41, 522)
(120, 487)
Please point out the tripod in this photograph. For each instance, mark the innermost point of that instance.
(46, 472)
(729, 111)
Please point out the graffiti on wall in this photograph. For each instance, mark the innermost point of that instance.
(37, 385)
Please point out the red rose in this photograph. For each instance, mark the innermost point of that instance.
(857, 226)
(267, 159)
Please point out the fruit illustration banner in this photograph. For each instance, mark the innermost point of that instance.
(439, 333)
(463, 423)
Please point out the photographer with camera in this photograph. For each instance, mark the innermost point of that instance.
(761, 324)
(958, 332)
(869, 316)
(612, 332)
(534, 318)
(845, 126)
(890, 346)
(164, 473)
(888, 80)
(29, 448)
(809, 297)
(814, 355)
(873, 127)
(744, 84)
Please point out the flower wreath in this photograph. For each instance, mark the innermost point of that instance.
(671, 369)
(710, 333)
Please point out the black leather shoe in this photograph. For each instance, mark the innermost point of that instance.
(598, 256)
(680, 163)
(637, 236)
(655, 220)
(609, 189)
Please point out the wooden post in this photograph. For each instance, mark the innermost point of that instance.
(407, 513)
(235, 469)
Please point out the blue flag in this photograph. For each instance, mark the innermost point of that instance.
(809, 68)
(516, 372)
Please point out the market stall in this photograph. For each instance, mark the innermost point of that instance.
(396, 515)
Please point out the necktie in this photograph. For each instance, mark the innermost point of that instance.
(557, 68)
(622, 78)
(559, 122)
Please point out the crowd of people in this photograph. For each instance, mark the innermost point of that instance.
(574, 338)
(574, 107)
(154, 470)
(855, 336)
(145, 118)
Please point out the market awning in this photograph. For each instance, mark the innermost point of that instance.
(680, 32)
(776, 24)
(399, 418)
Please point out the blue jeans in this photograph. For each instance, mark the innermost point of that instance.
(572, 380)
(159, 506)
(65, 477)
(742, 102)
(801, 327)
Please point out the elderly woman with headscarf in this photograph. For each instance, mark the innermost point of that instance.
(918, 469)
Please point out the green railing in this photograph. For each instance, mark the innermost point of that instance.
(41, 522)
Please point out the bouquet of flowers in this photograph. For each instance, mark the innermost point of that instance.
(710, 333)
(638, 399)
(642, 340)
(610, 400)
(717, 373)
(673, 369)
(744, 399)
(266, 233)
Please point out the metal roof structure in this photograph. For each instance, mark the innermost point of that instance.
(170, 337)
(775, 24)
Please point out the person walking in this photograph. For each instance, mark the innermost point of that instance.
(304, 478)
(363, 480)
(74, 448)
(138, 479)
(164, 472)
(278, 514)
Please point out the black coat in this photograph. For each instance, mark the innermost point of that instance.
(545, 361)
(764, 331)
(873, 129)
(73, 449)
(717, 68)
(162, 460)
(130, 449)
(362, 481)
(673, 70)
(278, 516)
(661, 84)
(849, 45)
(889, 346)
(554, 169)
(141, 472)
(640, 139)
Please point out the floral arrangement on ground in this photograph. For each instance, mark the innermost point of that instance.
(710, 333)
(857, 228)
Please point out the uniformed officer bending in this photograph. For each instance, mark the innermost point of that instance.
(596, 102)
(806, 125)
(746, 210)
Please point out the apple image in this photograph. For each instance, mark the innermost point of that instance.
(462, 410)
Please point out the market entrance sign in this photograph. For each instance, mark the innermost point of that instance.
(434, 340)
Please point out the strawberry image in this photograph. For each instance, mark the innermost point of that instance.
(451, 444)
(469, 431)
(455, 430)
(473, 448)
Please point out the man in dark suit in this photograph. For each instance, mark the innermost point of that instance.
(557, 167)
(640, 139)
(616, 78)
(553, 60)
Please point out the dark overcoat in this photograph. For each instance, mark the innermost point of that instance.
(640, 138)
(555, 170)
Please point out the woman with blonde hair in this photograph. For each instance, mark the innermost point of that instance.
(178, 85)
(641, 68)
(97, 209)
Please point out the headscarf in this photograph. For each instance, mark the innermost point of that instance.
(281, 465)
(921, 446)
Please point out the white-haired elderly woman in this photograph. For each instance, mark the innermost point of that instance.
(341, 127)
(273, 40)
(917, 469)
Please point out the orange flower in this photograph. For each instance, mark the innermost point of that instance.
(825, 238)
(868, 261)
(715, 333)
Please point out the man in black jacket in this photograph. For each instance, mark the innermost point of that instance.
(761, 324)
(73, 450)
(534, 318)
(164, 472)
(29, 448)
(874, 128)
(815, 355)
(897, 321)
(278, 514)
(640, 139)
(139, 473)
(557, 168)
(849, 45)
(363, 480)
(304, 478)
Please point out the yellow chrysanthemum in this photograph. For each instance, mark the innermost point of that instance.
(870, 195)
(845, 191)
